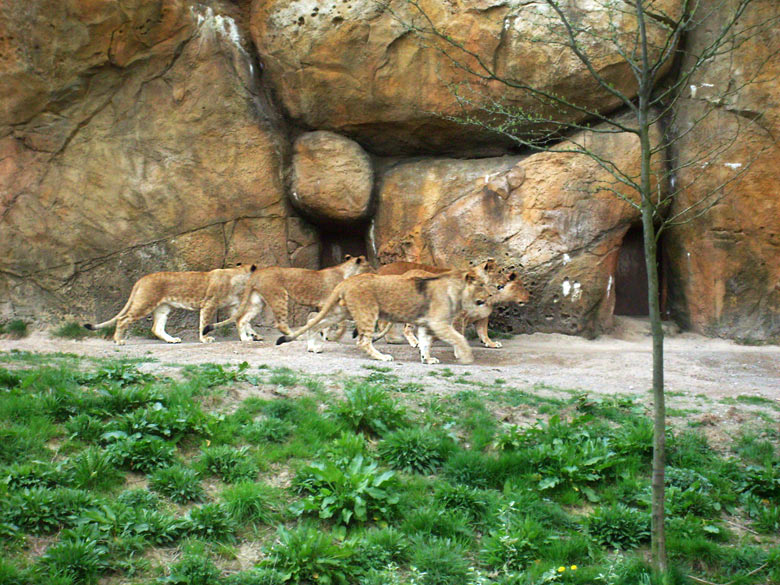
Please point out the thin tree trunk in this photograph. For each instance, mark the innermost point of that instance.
(658, 535)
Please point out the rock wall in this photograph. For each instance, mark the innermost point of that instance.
(179, 134)
(356, 67)
(137, 139)
(726, 262)
(553, 214)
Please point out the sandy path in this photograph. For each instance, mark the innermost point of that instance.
(610, 364)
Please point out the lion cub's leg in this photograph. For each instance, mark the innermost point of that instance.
(278, 300)
(482, 331)
(365, 321)
(158, 325)
(315, 340)
(409, 335)
(337, 333)
(447, 333)
(243, 323)
(207, 312)
(393, 336)
(134, 313)
(425, 346)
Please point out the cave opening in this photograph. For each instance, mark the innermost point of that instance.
(335, 244)
(631, 276)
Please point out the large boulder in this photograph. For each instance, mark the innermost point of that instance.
(725, 260)
(554, 215)
(332, 178)
(356, 68)
(158, 153)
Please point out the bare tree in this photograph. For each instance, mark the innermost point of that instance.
(663, 68)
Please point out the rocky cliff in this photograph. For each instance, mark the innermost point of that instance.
(181, 134)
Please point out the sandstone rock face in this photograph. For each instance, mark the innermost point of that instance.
(155, 149)
(552, 214)
(332, 177)
(354, 68)
(726, 263)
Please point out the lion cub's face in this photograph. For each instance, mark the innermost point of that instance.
(511, 290)
(476, 294)
(355, 265)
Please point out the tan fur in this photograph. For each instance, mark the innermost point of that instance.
(162, 291)
(277, 286)
(404, 267)
(511, 291)
(430, 302)
(487, 270)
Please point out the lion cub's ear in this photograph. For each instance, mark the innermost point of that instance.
(490, 264)
(513, 276)
(359, 260)
(470, 277)
(253, 268)
(347, 256)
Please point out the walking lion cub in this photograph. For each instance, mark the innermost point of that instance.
(276, 285)
(160, 292)
(430, 302)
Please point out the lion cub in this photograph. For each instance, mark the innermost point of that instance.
(276, 286)
(160, 292)
(510, 291)
(431, 302)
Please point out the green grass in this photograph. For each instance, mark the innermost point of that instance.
(109, 473)
(72, 330)
(15, 329)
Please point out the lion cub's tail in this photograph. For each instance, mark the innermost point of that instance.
(121, 313)
(329, 303)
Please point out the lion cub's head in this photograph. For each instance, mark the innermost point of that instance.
(511, 290)
(355, 265)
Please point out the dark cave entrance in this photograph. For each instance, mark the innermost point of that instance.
(631, 276)
(335, 244)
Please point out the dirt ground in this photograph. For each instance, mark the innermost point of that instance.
(618, 363)
(721, 387)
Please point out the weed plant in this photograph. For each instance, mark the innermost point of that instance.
(230, 464)
(192, 569)
(15, 329)
(78, 555)
(42, 474)
(139, 452)
(269, 430)
(72, 330)
(211, 521)
(370, 409)
(439, 561)
(307, 554)
(252, 502)
(95, 469)
(178, 483)
(356, 490)
(85, 427)
(139, 498)
(619, 527)
(415, 450)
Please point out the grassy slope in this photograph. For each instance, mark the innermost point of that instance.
(248, 476)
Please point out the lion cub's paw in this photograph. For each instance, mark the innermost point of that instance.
(385, 357)
(256, 337)
(175, 340)
(494, 344)
(120, 342)
(431, 360)
(206, 339)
